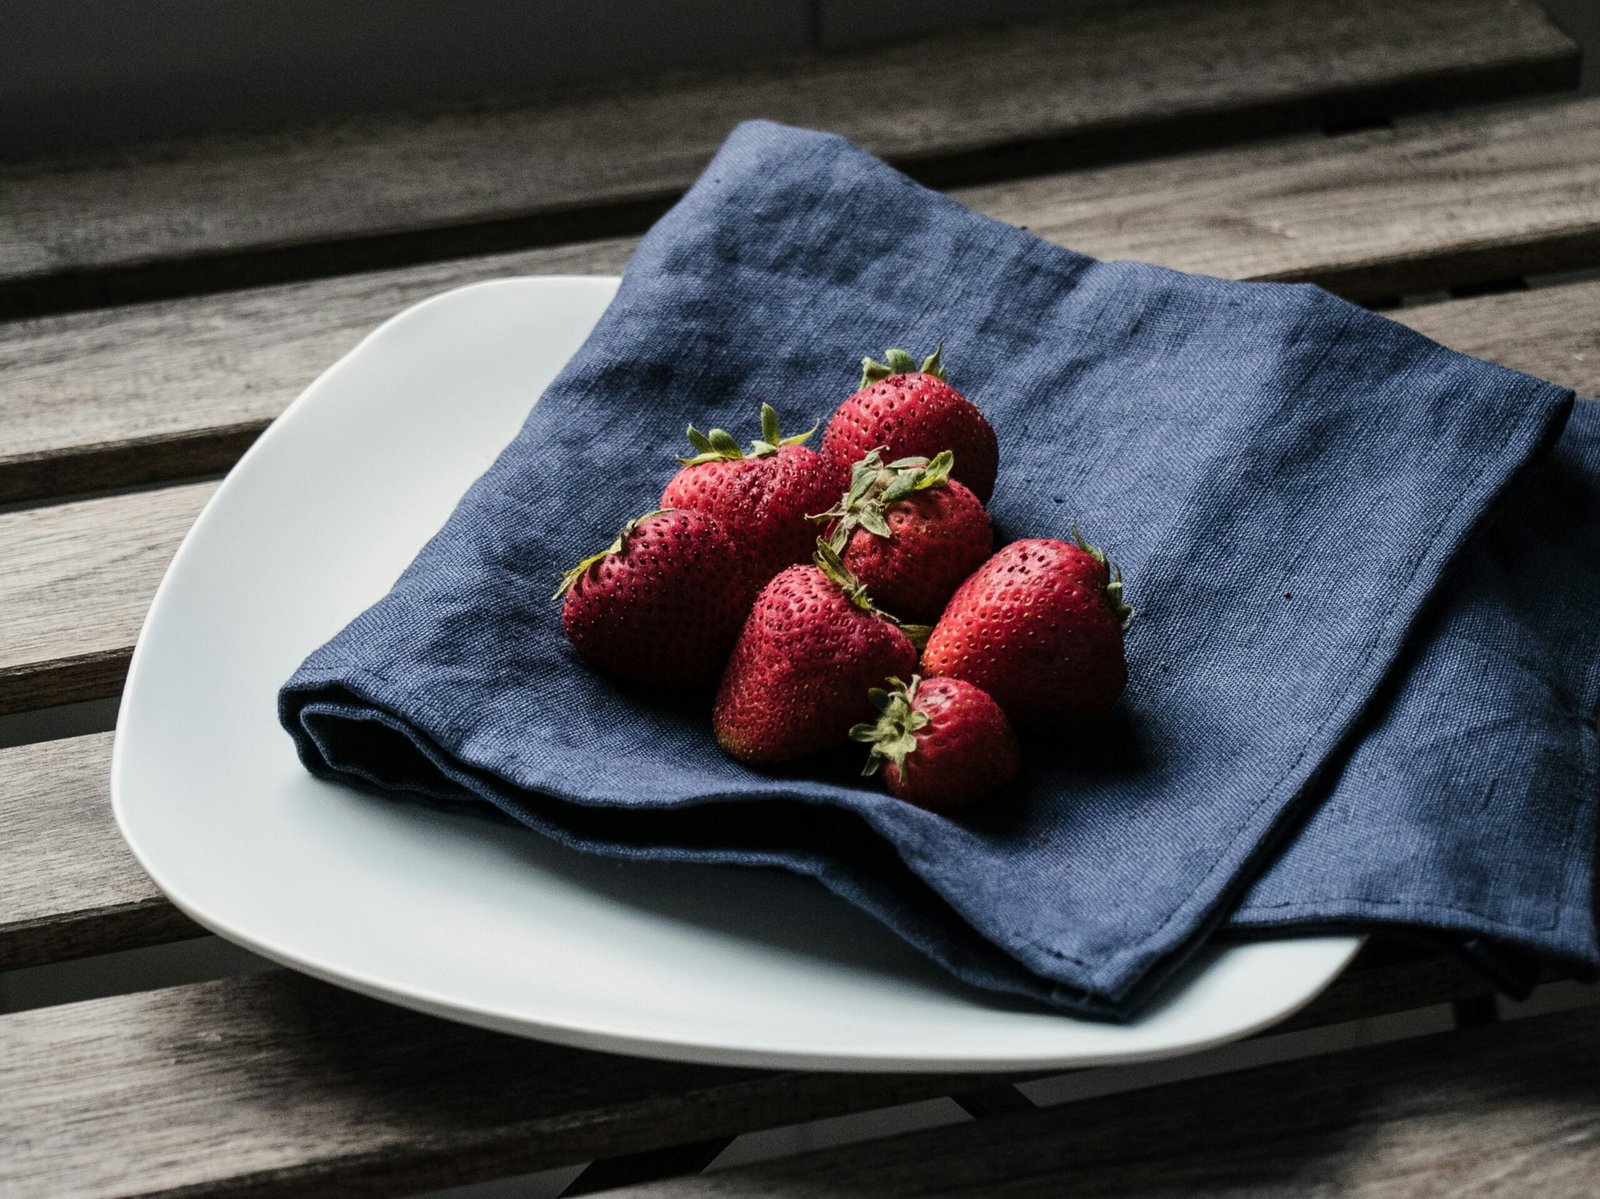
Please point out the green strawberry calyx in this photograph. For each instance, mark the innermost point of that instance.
(894, 734)
(1120, 608)
(874, 486)
(829, 562)
(571, 577)
(719, 445)
(900, 362)
(841, 576)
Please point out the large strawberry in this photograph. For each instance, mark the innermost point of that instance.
(809, 651)
(761, 498)
(909, 532)
(913, 412)
(663, 603)
(942, 742)
(1039, 627)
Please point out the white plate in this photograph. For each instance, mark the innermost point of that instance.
(470, 919)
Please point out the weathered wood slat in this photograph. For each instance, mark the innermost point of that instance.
(178, 388)
(82, 574)
(1435, 203)
(1508, 1109)
(78, 579)
(1552, 332)
(163, 390)
(68, 885)
(277, 1084)
(1097, 86)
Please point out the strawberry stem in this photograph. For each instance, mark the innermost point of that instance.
(917, 634)
(874, 486)
(719, 446)
(1120, 608)
(829, 562)
(571, 577)
(899, 362)
(894, 734)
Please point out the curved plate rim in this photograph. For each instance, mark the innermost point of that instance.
(1328, 954)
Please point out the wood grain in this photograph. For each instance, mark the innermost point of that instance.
(1436, 203)
(177, 388)
(1508, 1109)
(86, 571)
(1102, 85)
(68, 885)
(78, 579)
(279, 1085)
(1553, 332)
(83, 573)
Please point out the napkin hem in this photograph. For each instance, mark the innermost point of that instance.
(1443, 540)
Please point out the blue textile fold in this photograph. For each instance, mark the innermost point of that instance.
(1349, 704)
(1468, 803)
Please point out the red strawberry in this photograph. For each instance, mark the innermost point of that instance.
(910, 533)
(762, 499)
(1039, 627)
(942, 743)
(798, 678)
(662, 604)
(913, 413)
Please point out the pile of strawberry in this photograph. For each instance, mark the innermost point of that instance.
(728, 580)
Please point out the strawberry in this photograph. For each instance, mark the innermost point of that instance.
(942, 742)
(1039, 627)
(913, 412)
(811, 647)
(909, 532)
(762, 499)
(663, 603)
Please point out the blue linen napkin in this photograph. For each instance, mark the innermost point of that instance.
(1313, 724)
(1468, 802)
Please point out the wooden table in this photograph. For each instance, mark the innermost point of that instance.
(158, 306)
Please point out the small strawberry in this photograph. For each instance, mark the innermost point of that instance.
(909, 532)
(662, 604)
(1039, 627)
(942, 742)
(912, 412)
(811, 647)
(761, 499)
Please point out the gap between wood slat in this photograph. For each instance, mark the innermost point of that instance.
(81, 575)
(62, 720)
(217, 441)
(229, 212)
(278, 1084)
(178, 388)
(68, 885)
(1511, 1108)
(980, 1104)
(55, 647)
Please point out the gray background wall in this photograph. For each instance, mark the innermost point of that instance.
(77, 74)
(80, 73)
